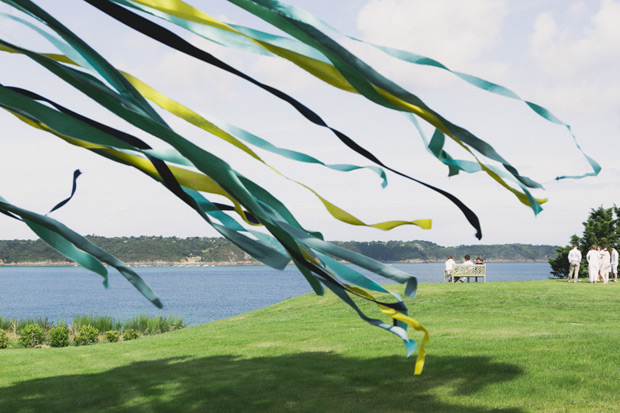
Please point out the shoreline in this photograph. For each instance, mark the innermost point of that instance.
(214, 263)
(132, 264)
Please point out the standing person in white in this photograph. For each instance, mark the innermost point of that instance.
(594, 261)
(605, 265)
(614, 263)
(450, 263)
(574, 260)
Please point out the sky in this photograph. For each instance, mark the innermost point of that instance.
(560, 54)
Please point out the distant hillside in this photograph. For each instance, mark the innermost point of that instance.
(394, 251)
(133, 250)
(220, 251)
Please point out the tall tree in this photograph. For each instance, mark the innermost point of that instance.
(601, 228)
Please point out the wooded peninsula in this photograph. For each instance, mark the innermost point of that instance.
(150, 250)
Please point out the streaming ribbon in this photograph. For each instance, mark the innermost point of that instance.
(76, 174)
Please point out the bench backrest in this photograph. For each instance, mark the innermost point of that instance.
(460, 269)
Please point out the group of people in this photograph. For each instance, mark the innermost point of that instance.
(450, 263)
(601, 261)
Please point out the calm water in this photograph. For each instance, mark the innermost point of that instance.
(197, 294)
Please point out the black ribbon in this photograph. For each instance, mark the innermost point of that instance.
(62, 203)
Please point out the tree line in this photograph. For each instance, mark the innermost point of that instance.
(220, 250)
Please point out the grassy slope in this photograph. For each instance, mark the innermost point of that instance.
(518, 346)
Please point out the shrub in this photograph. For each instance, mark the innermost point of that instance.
(130, 334)
(112, 336)
(4, 339)
(85, 335)
(31, 335)
(59, 336)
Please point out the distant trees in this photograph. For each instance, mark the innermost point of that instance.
(220, 250)
(132, 249)
(429, 251)
(28, 251)
(601, 228)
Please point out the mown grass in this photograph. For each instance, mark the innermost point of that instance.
(512, 346)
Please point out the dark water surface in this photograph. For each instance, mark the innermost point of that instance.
(197, 294)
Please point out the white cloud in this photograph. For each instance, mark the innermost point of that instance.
(581, 59)
(456, 33)
(577, 9)
(545, 30)
(285, 74)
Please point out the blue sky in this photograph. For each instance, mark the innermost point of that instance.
(560, 54)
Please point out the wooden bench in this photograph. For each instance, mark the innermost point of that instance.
(466, 271)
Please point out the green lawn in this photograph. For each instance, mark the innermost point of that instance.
(511, 346)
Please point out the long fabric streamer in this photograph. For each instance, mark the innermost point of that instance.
(266, 229)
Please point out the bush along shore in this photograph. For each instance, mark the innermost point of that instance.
(84, 330)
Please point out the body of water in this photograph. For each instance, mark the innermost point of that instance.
(197, 294)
